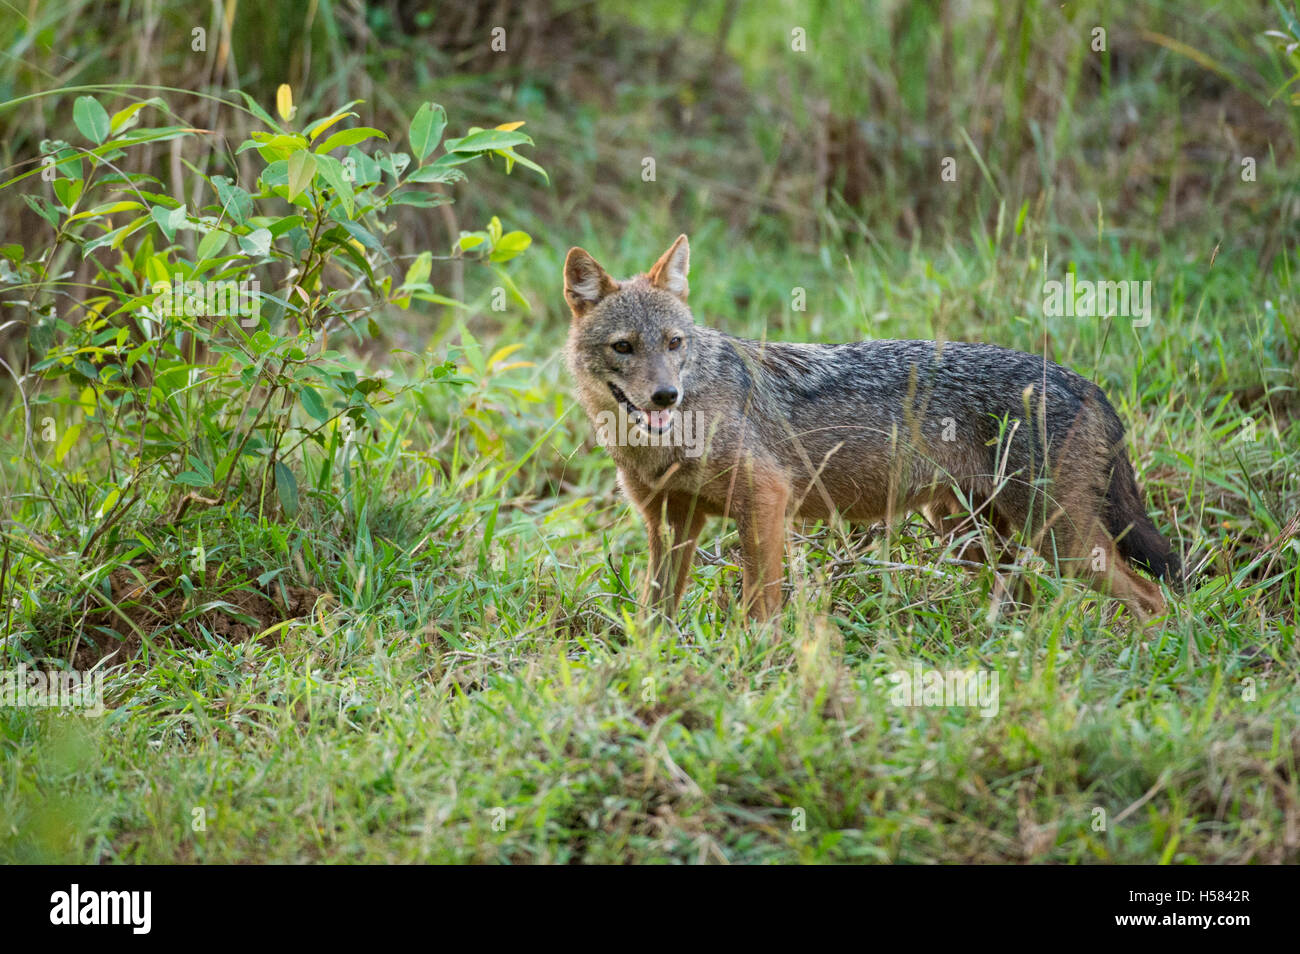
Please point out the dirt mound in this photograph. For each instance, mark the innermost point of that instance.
(146, 600)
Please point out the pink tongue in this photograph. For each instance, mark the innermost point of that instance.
(660, 419)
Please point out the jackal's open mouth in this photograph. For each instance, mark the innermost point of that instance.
(656, 421)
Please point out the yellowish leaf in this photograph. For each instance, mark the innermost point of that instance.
(328, 123)
(502, 353)
(284, 102)
(65, 444)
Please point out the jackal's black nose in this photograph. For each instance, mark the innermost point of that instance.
(664, 397)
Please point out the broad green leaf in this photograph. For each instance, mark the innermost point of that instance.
(438, 299)
(68, 191)
(363, 236)
(313, 405)
(91, 118)
(454, 159)
(69, 438)
(256, 243)
(275, 174)
(395, 164)
(110, 501)
(426, 129)
(286, 486)
(512, 157)
(165, 221)
(42, 207)
(350, 137)
(361, 168)
(280, 146)
(280, 226)
(302, 169)
(212, 244)
(510, 245)
(235, 202)
(419, 271)
(116, 237)
(485, 140)
(436, 173)
(155, 269)
(332, 171)
(424, 200)
(126, 118)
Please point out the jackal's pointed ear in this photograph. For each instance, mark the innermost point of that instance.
(585, 282)
(670, 271)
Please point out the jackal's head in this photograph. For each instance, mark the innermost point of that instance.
(630, 342)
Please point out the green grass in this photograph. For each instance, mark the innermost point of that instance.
(474, 686)
(471, 682)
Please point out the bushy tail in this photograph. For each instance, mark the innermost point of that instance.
(1136, 537)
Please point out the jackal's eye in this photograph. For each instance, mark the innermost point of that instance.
(675, 343)
(622, 347)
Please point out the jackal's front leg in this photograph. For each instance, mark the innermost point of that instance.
(673, 523)
(671, 552)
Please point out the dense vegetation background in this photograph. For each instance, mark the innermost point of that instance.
(359, 582)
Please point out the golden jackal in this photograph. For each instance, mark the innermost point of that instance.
(762, 431)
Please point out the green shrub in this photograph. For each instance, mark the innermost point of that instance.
(199, 362)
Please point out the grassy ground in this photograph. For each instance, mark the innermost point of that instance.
(472, 687)
(469, 682)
